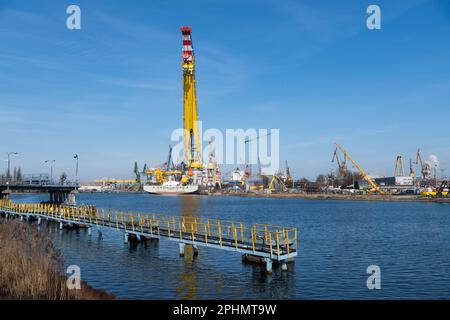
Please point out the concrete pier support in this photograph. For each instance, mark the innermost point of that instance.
(61, 226)
(138, 238)
(284, 265)
(268, 265)
(89, 230)
(39, 221)
(195, 250)
(5, 194)
(21, 218)
(182, 247)
(125, 237)
(71, 199)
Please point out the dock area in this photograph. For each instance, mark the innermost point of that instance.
(327, 196)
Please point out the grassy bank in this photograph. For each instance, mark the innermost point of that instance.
(30, 266)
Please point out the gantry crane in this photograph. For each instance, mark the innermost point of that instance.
(399, 170)
(192, 142)
(365, 176)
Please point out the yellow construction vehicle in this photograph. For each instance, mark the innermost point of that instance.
(441, 191)
(161, 175)
(365, 176)
(277, 184)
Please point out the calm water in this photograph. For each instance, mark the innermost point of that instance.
(338, 240)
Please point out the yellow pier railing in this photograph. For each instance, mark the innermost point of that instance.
(277, 243)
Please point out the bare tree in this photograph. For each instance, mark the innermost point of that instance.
(19, 178)
(63, 178)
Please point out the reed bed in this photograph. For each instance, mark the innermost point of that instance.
(31, 267)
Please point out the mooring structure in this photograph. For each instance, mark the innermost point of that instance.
(267, 243)
(58, 194)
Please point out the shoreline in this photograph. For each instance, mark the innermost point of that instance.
(306, 196)
(320, 196)
(31, 267)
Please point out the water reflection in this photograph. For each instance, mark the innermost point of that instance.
(189, 278)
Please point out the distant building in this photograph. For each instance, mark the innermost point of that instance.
(389, 182)
(395, 181)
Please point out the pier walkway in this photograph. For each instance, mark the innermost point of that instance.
(266, 242)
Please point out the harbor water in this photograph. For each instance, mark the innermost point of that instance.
(338, 241)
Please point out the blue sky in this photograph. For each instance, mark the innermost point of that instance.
(111, 92)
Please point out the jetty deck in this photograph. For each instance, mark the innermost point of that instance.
(266, 242)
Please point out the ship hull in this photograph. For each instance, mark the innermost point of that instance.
(171, 190)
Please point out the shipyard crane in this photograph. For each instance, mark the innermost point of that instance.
(192, 142)
(289, 180)
(425, 167)
(281, 182)
(170, 165)
(218, 177)
(247, 170)
(399, 170)
(342, 166)
(137, 173)
(277, 184)
(210, 168)
(365, 176)
(411, 169)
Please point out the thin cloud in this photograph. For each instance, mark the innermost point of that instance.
(136, 84)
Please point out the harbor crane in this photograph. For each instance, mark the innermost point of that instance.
(289, 181)
(192, 142)
(425, 167)
(399, 170)
(281, 182)
(248, 171)
(342, 166)
(365, 176)
(411, 169)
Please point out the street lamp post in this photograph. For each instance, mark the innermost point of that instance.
(435, 176)
(353, 175)
(76, 168)
(332, 178)
(51, 169)
(8, 174)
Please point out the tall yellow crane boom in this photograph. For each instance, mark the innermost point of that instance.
(192, 142)
(365, 176)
